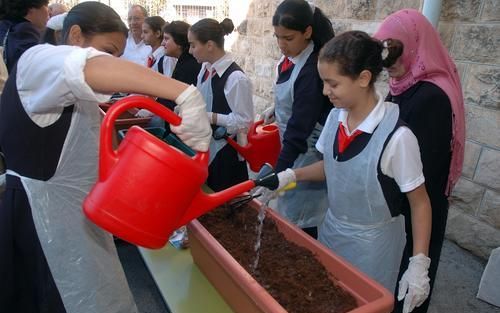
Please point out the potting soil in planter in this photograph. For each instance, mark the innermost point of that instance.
(291, 274)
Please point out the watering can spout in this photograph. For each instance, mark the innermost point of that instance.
(204, 202)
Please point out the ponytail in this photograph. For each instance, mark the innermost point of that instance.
(322, 29)
(298, 15)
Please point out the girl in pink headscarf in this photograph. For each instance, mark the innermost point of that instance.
(424, 83)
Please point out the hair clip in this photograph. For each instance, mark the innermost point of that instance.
(385, 50)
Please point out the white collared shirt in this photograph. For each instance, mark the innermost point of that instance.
(401, 157)
(136, 52)
(50, 78)
(239, 94)
(307, 51)
(168, 62)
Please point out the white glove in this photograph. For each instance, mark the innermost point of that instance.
(268, 115)
(143, 113)
(415, 281)
(285, 178)
(195, 128)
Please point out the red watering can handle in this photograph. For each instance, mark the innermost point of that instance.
(108, 156)
(253, 128)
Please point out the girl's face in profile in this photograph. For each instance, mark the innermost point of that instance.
(292, 42)
(199, 50)
(112, 43)
(149, 36)
(340, 89)
(172, 49)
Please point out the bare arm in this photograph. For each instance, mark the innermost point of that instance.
(107, 74)
(312, 172)
(421, 217)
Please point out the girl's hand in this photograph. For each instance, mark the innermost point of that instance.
(414, 286)
(195, 128)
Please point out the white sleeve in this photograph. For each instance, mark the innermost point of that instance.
(238, 91)
(51, 77)
(320, 144)
(169, 65)
(401, 160)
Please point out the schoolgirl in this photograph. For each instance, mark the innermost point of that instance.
(228, 94)
(176, 45)
(299, 106)
(424, 82)
(371, 161)
(152, 35)
(52, 258)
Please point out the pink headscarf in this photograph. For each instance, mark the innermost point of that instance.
(428, 60)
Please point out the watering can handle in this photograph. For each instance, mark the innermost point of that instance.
(253, 128)
(108, 156)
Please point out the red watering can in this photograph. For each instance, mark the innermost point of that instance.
(264, 144)
(146, 188)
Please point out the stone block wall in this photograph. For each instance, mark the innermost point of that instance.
(470, 30)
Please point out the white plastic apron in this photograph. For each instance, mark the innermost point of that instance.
(305, 205)
(81, 256)
(205, 89)
(358, 225)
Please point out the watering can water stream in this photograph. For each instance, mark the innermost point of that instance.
(264, 144)
(146, 188)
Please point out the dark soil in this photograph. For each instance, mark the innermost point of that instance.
(291, 274)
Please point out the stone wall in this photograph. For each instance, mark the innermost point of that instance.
(471, 31)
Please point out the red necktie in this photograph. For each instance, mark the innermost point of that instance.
(151, 61)
(286, 65)
(343, 139)
(207, 73)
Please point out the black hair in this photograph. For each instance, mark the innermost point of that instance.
(209, 29)
(298, 15)
(354, 52)
(156, 24)
(395, 49)
(178, 30)
(93, 18)
(17, 9)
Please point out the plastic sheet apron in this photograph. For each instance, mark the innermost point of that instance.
(81, 256)
(305, 205)
(358, 225)
(205, 89)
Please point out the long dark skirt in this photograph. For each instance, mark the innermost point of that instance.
(226, 170)
(26, 284)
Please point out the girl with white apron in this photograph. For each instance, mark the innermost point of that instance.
(54, 259)
(300, 108)
(370, 162)
(228, 94)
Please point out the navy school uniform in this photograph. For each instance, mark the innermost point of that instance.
(382, 163)
(426, 109)
(227, 92)
(22, 35)
(53, 258)
(301, 110)
(186, 70)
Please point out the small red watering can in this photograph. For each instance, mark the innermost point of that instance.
(264, 144)
(146, 188)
